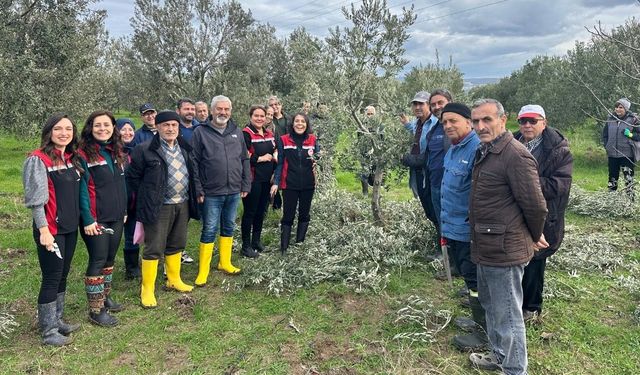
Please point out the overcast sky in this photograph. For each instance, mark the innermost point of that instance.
(485, 38)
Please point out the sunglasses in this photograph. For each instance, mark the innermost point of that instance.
(532, 121)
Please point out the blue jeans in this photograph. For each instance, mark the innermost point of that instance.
(500, 293)
(219, 211)
(435, 201)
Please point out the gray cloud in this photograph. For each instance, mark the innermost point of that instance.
(488, 41)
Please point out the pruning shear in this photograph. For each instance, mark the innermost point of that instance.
(445, 259)
(104, 230)
(56, 250)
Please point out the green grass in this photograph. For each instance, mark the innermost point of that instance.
(336, 330)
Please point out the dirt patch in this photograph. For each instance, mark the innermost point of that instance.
(325, 348)
(11, 258)
(125, 359)
(176, 359)
(185, 305)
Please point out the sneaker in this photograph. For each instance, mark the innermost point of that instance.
(186, 259)
(485, 361)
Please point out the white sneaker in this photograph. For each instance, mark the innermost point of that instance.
(186, 259)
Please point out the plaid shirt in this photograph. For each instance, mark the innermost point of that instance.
(178, 174)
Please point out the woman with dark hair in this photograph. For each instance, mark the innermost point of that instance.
(262, 156)
(51, 178)
(131, 251)
(296, 176)
(103, 206)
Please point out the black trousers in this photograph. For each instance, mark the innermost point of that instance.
(129, 229)
(461, 254)
(102, 248)
(424, 194)
(55, 270)
(615, 164)
(290, 200)
(533, 284)
(254, 208)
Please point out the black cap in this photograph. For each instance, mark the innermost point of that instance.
(165, 116)
(146, 107)
(458, 108)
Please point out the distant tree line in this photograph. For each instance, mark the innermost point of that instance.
(584, 84)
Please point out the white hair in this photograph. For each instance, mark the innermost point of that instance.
(220, 98)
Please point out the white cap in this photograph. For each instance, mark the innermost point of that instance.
(531, 110)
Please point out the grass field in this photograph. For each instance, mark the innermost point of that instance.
(325, 329)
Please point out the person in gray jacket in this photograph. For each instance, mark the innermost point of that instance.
(619, 137)
(222, 176)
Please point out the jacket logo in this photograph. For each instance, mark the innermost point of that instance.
(234, 136)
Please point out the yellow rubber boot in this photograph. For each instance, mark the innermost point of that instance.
(172, 265)
(225, 256)
(149, 273)
(204, 263)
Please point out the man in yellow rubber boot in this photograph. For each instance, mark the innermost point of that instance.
(161, 175)
(222, 176)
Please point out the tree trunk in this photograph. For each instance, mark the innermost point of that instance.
(375, 196)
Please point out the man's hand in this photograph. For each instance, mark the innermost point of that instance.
(265, 158)
(201, 199)
(243, 194)
(274, 190)
(541, 244)
(404, 119)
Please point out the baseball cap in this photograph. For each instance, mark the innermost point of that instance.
(531, 110)
(421, 96)
(146, 107)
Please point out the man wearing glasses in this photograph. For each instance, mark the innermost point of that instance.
(148, 129)
(619, 135)
(555, 165)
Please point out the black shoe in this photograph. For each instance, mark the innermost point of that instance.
(259, 247)
(301, 231)
(285, 237)
(112, 306)
(103, 318)
(476, 341)
(249, 252)
(466, 324)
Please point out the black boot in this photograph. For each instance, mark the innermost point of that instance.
(247, 250)
(285, 237)
(94, 286)
(63, 327)
(48, 322)
(132, 264)
(301, 231)
(109, 303)
(256, 244)
(477, 340)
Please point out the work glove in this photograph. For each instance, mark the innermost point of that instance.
(627, 133)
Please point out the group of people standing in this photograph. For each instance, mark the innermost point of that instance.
(148, 183)
(497, 201)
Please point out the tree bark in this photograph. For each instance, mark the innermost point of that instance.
(378, 220)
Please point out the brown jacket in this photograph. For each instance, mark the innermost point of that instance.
(506, 207)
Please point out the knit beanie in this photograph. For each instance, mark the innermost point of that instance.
(458, 108)
(165, 116)
(624, 102)
(123, 121)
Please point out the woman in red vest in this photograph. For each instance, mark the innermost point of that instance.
(51, 178)
(296, 176)
(263, 158)
(103, 208)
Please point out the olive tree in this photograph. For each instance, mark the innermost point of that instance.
(367, 56)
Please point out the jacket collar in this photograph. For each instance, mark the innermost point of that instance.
(500, 142)
(155, 143)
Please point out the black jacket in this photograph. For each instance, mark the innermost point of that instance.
(555, 167)
(147, 177)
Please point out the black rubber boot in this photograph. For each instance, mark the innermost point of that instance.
(111, 305)
(63, 327)
(247, 250)
(132, 264)
(102, 318)
(477, 340)
(285, 237)
(48, 322)
(256, 244)
(301, 231)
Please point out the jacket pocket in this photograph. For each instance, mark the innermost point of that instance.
(489, 239)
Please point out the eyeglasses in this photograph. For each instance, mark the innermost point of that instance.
(532, 121)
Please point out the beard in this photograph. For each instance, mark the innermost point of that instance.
(221, 120)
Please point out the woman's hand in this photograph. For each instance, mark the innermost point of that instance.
(274, 190)
(92, 229)
(265, 158)
(46, 238)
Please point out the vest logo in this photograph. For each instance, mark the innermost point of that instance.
(234, 136)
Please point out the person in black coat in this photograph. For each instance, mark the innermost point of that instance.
(161, 175)
(555, 166)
